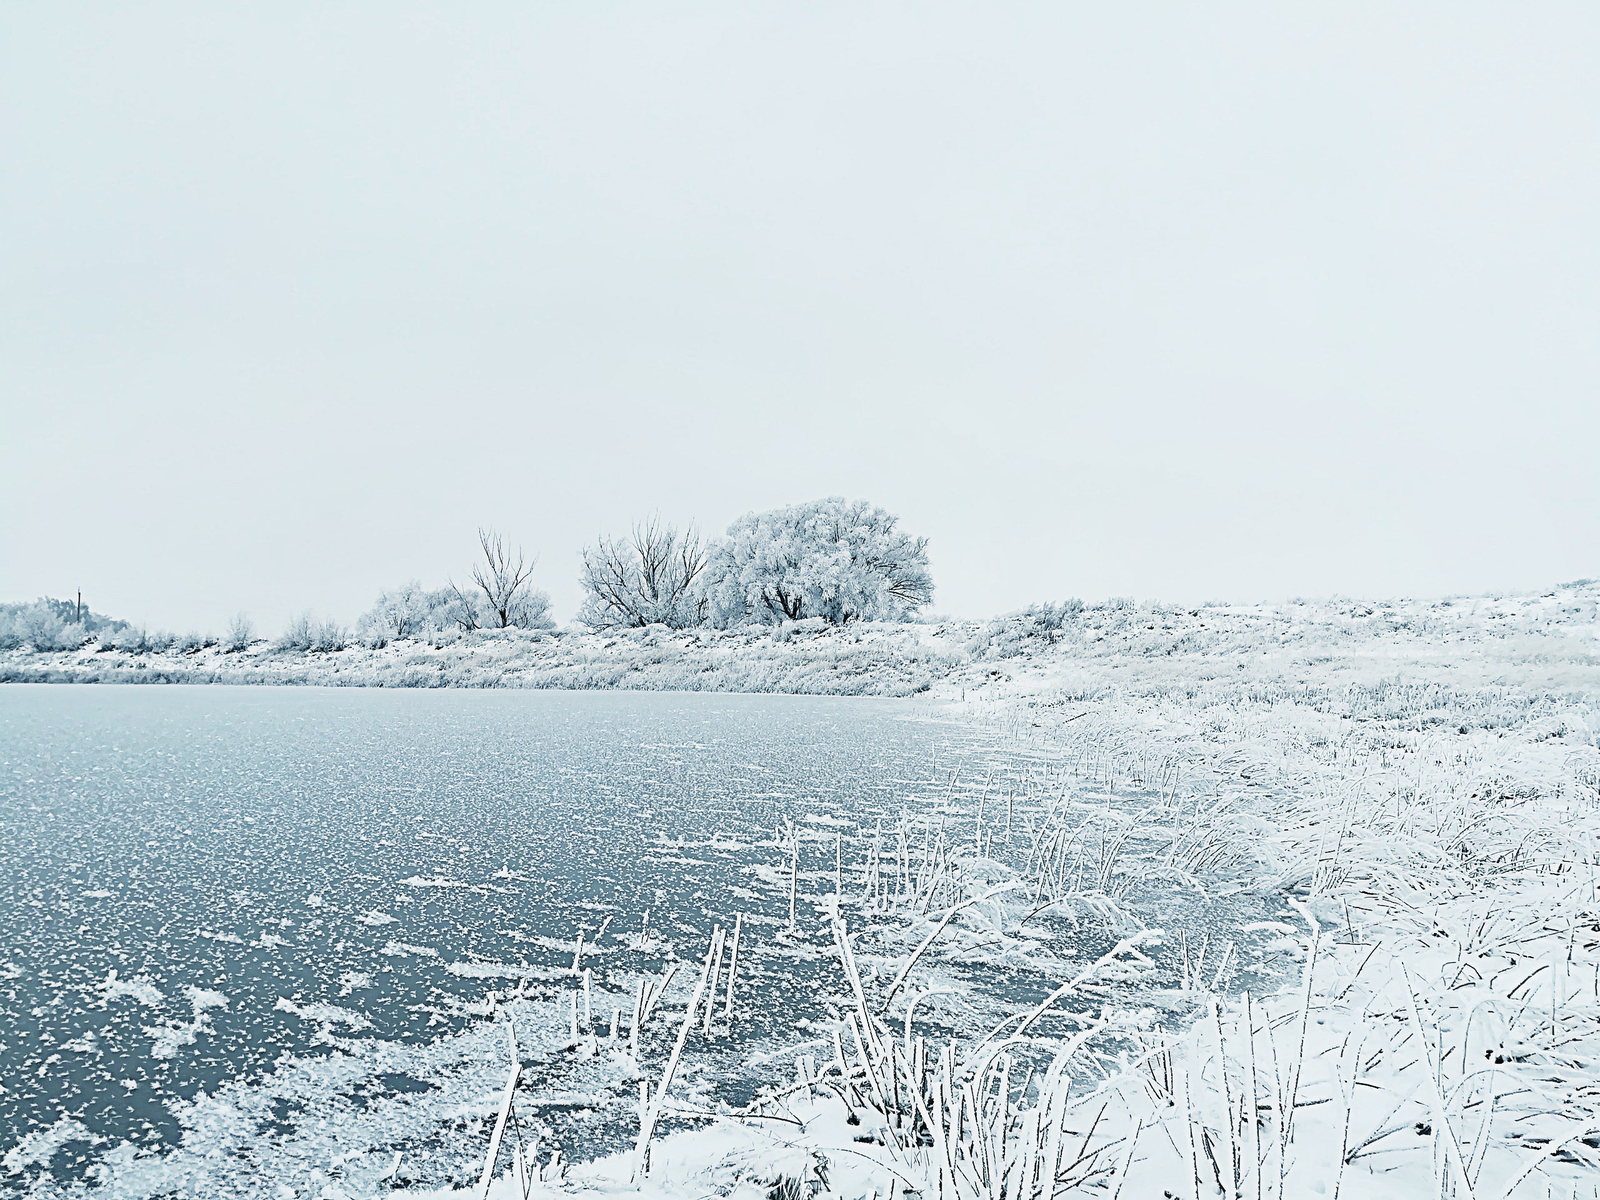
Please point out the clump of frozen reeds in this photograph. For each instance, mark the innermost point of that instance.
(994, 1118)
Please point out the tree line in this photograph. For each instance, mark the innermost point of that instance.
(833, 559)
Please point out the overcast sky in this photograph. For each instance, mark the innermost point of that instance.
(1171, 301)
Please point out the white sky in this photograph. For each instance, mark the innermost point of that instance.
(1172, 301)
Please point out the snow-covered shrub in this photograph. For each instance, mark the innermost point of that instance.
(58, 624)
(328, 635)
(783, 631)
(647, 580)
(42, 629)
(132, 639)
(1037, 625)
(298, 634)
(397, 613)
(305, 632)
(240, 633)
(47, 624)
(835, 559)
(193, 643)
(447, 635)
(408, 611)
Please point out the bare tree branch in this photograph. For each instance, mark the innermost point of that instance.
(503, 580)
(645, 580)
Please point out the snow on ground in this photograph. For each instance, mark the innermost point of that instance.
(1409, 792)
(1547, 640)
(805, 657)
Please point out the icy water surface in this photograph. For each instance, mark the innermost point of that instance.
(202, 881)
(253, 936)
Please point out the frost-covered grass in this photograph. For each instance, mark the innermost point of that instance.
(805, 657)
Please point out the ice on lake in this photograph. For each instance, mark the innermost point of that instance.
(210, 891)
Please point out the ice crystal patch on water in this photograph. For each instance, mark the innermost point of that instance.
(327, 1015)
(38, 1147)
(437, 881)
(169, 1036)
(404, 948)
(140, 989)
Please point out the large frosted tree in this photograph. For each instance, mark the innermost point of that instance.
(841, 560)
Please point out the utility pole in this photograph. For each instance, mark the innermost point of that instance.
(79, 610)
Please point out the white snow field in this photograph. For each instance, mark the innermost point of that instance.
(1387, 813)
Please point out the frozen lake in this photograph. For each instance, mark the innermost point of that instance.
(204, 884)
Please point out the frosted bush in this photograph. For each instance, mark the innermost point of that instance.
(134, 639)
(47, 624)
(298, 634)
(835, 559)
(411, 612)
(40, 626)
(400, 612)
(305, 632)
(240, 633)
(1031, 628)
(327, 635)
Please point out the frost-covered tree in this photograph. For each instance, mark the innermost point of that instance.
(298, 634)
(401, 612)
(409, 611)
(649, 578)
(193, 642)
(41, 628)
(501, 596)
(841, 560)
(50, 624)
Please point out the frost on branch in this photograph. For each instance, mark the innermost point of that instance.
(841, 560)
(649, 579)
(501, 595)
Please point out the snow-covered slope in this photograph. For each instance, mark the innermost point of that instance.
(1548, 640)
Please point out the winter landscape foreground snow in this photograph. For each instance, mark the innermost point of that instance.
(1410, 791)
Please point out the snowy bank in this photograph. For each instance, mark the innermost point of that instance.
(1549, 640)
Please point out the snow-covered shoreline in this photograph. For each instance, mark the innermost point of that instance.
(1548, 640)
(1414, 787)
(1419, 788)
